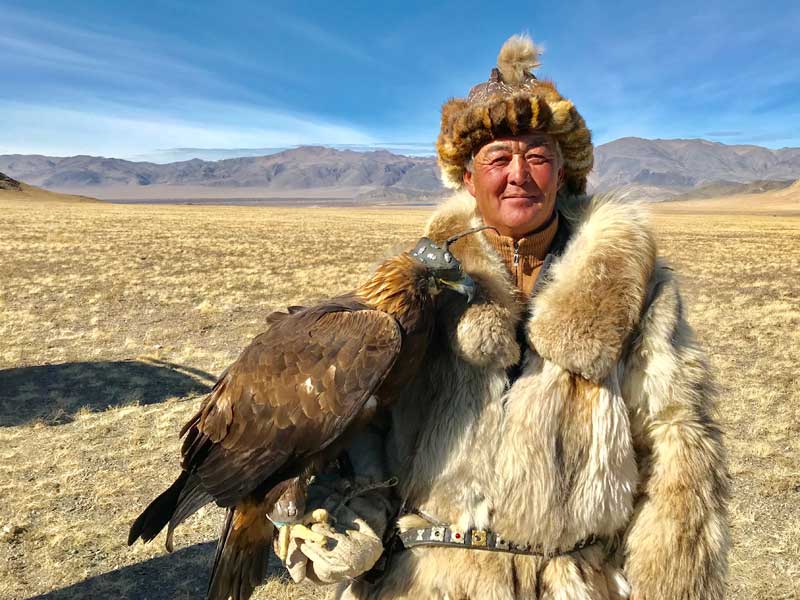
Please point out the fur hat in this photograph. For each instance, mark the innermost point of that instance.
(513, 102)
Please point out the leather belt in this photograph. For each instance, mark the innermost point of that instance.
(477, 539)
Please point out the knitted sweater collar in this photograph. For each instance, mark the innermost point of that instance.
(523, 258)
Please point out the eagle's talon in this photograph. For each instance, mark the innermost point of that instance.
(320, 515)
(302, 532)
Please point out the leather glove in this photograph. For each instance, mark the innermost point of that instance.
(344, 556)
(348, 550)
(359, 511)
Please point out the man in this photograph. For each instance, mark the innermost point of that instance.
(559, 442)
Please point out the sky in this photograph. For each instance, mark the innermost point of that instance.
(153, 80)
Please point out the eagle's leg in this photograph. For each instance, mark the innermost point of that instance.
(283, 542)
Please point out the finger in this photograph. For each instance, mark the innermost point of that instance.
(328, 531)
(323, 528)
(298, 571)
(312, 575)
(316, 553)
(296, 563)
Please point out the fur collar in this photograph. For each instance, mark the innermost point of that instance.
(592, 300)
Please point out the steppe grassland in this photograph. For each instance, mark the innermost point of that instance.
(179, 290)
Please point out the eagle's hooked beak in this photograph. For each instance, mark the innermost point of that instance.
(464, 286)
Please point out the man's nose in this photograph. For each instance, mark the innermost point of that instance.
(518, 171)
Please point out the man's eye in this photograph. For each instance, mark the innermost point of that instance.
(499, 160)
(538, 159)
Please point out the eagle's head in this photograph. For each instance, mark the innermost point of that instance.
(406, 284)
(443, 269)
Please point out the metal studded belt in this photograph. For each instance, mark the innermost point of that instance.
(476, 539)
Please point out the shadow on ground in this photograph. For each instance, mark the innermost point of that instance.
(55, 393)
(182, 574)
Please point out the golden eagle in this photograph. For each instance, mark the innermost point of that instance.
(290, 402)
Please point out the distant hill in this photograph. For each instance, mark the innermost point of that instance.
(11, 189)
(9, 185)
(286, 173)
(667, 168)
(718, 189)
(653, 169)
(776, 202)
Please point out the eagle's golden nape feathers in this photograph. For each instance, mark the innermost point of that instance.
(395, 287)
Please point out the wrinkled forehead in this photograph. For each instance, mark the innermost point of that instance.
(519, 143)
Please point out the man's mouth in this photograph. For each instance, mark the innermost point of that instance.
(527, 197)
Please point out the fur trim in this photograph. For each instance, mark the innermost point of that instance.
(517, 58)
(591, 305)
(678, 540)
(587, 312)
(577, 475)
(484, 333)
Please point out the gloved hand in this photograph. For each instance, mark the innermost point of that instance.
(344, 556)
(351, 546)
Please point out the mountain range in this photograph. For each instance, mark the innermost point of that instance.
(667, 168)
(655, 169)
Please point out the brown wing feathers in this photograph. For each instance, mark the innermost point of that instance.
(292, 393)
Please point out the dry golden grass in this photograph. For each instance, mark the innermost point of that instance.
(784, 202)
(115, 318)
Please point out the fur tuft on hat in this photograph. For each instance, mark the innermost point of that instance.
(518, 57)
(513, 102)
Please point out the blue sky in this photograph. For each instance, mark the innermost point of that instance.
(137, 79)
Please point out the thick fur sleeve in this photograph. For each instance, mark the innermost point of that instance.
(677, 542)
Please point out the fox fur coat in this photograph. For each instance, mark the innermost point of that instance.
(608, 430)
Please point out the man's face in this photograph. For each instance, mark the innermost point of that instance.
(514, 181)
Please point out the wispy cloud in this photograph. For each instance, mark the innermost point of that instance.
(179, 154)
(321, 38)
(126, 92)
(28, 129)
(111, 59)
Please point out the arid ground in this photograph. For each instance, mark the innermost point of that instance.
(114, 321)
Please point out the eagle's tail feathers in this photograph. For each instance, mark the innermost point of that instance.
(193, 497)
(158, 512)
(240, 564)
